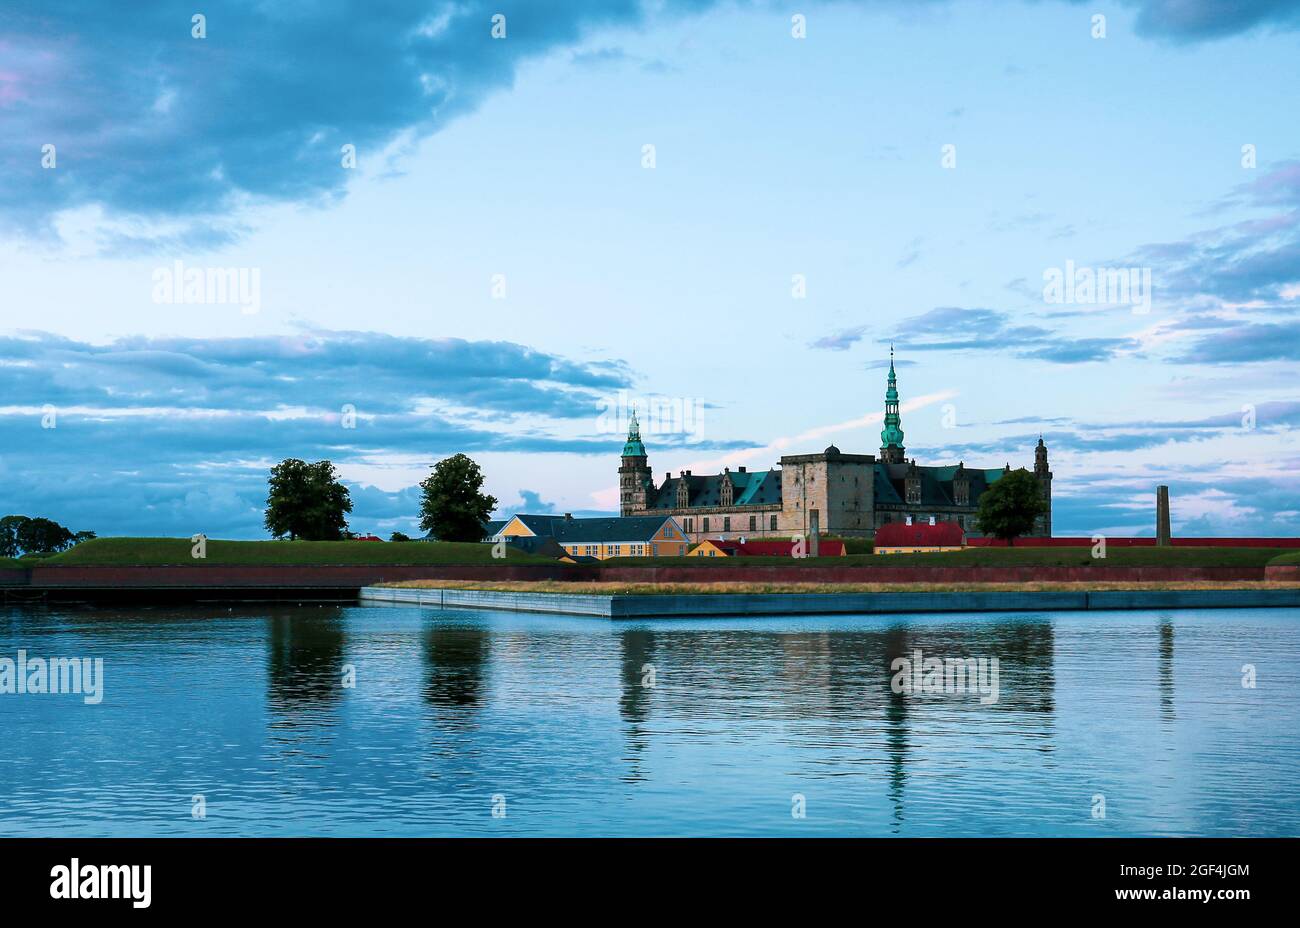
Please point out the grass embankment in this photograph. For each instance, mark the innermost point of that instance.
(1290, 559)
(996, 557)
(150, 552)
(561, 586)
(165, 552)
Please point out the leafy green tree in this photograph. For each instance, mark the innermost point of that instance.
(9, 526)
(307, 501)
(399, 536)
(1010, 505)
(43, 536)
(454, 507)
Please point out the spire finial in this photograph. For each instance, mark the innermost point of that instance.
(633, 446)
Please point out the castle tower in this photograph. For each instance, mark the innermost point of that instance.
(633, 472)
(891, 436)
(1044, 475)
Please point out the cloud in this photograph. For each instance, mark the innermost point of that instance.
(160, 435)
(1246, 342)
(956, 328)
(149, 121)
(842, 340)
(318, 370)
(1186, 21)
(1250, 260)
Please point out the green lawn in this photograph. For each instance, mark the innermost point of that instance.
(167, 551)
(1005, 557)
(131, 552)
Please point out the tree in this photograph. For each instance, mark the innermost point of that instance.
(20, 535)
(307, 501)
(453, 508)
(1010, 505)
(43, 536)
(9, 526)
(399, 536)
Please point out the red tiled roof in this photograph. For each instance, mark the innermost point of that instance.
(900, 534)
(734, 547)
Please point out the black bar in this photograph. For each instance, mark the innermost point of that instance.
(482, 878)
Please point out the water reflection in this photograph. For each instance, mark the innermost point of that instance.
(897, 642)
(1166, 668)
(456, 668)
(557, 713)
(304, 663)
(638, 679)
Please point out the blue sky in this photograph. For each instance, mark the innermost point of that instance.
(501, 264)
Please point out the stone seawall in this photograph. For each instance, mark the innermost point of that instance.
(619, 606)
(338, 582)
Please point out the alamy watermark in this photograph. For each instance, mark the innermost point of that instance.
(55, 676)
(234, 286)
(656, 415)
(1110, 286)
(948, 676)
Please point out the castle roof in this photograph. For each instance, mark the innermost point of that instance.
(748, 488)
(936, 483)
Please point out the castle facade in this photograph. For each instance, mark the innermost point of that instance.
(831, 492)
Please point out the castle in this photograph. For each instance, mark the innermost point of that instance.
(831, 492)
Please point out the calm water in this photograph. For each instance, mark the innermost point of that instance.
(247, 708)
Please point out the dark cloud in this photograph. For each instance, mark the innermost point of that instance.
(148, 120)
(373, 372)
(1200, 20)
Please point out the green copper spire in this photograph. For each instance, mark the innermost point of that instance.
(891, 436)
(633, 448)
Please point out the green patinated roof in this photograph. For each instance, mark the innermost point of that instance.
(751, 488)
(633, 448)
(892, 434)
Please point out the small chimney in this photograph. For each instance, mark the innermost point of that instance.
(741, 468)
(688, 473)
(568, 516)
(668, 475)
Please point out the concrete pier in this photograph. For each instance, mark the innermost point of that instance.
(619, 606)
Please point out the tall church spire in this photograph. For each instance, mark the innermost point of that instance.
(633, 448)
(891, 436)
(634, 480)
